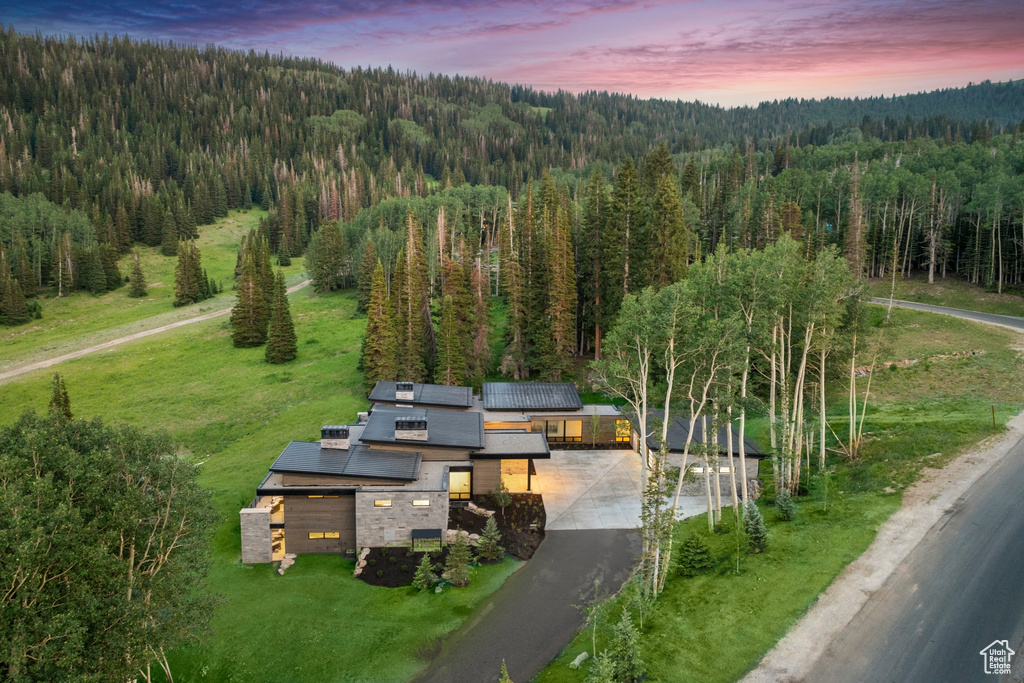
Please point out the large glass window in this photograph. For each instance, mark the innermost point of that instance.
(459, 485)
(622, 430)
(556, 430)
(563, 430)
(574, 430)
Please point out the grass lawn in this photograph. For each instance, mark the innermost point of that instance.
(236, 413)
(81, 319)
(717, 626)
(951, 292)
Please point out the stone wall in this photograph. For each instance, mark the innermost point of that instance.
(391, 526)
(255, 524)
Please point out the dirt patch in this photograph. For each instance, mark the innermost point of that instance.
(521, 524)
(924, 503)
(395, 567)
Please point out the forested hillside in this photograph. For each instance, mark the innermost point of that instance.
(562, 204)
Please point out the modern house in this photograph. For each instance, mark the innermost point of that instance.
(391, 478)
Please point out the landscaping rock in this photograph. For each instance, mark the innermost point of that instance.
(583, 656)
(360, 564)
(364, 553)
(473, 538)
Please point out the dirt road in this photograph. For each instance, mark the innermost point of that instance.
(8, 375)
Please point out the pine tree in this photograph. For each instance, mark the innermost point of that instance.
(249, 316)
(504, 677)
(756, 531)
(169, 240)
(187, 274)
(694, 555)
(489, 546)
(108, 260)
(13, 309)
(424, 577)
(513, 360)
(60, 403)
(281, 343)
(478, 361)
(326, 258)
(561, 296)
(451, 364)
(379, 346)
(670, 241)
(366, 268)
(619, 269)
(416, 344)
(97, 279)
(137, 279)
(456, 565)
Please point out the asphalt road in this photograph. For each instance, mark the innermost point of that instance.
(533, 616)
(991, 318)
(958, 591)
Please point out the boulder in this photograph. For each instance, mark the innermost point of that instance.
(583, 656)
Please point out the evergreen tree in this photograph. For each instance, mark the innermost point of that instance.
(489, 546)
(326, 258)
(513, 360)
(785, 506)
(424, 577)
(504, 677)
(670, 241)
(13, 309)
(187, 274)
(451, 364)
(753, 524)
(456, 565)
(366, 268)
(620, 234)
(60, 402)
(281, 343)
(379, 345)
(694, 555)
(478, 360)
(561, 297)
(169, 240)
(137, 279)
(603, 669)
(108, 260)
(416, 345)
(218, 197)
(249, 316)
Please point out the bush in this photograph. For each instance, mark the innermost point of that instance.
(380, 573)
(694, 556)
(489, 546)
(424, 577)
(392, 559)
(405, 568)
(785, 506)
(371, 562)
(753, 523)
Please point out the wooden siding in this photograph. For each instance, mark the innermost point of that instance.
(429, 452)
(303, 515)
(486, 476)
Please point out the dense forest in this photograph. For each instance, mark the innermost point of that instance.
(561, 204)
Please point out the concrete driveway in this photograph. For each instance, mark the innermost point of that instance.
(597, 490)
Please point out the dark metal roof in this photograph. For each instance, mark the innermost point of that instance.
(448, 428)
(531, 396)
(680, 427)
(306, 457)
(424, 394)
(381, 464)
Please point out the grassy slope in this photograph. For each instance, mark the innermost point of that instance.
(236, 413)
(717, 626)
(82, 320)
(950, 292)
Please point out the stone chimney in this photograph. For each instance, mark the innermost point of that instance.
(334, 437)
(403, 391)
(410, 429)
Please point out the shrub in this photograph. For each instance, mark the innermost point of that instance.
(392, 559)
(489, 546)
(625, 651)
(424, 574)
(380, 573)
(753, 523)
(694, 556)
(457, 563)
(785, 506)
(405, 567)
(371, 562)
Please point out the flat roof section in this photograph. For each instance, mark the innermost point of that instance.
(513, 445)
(529, 396)
(424, 394)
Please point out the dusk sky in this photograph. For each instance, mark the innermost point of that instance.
(731, 53)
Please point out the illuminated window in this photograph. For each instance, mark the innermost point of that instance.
(332, 534)
(622, 430)
(330, 496)
(316, 534)
(314, 496)
(382, 503)
(574, 430)
(421, 503)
